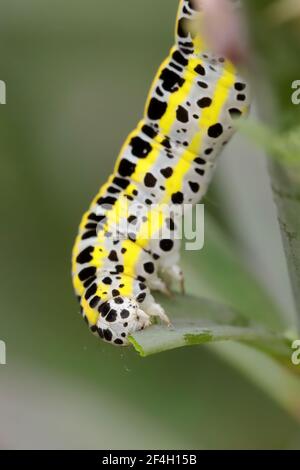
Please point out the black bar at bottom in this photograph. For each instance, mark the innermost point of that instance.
(137, 458)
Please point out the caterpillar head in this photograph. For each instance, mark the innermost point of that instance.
(119, 318)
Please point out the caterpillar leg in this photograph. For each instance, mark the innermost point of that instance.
(174, 274)
(159, 285)
(168, 266)
(153, 309)
(148, 303)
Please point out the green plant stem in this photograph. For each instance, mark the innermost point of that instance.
(277, 46)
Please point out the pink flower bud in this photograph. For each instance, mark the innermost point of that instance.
(224, 28)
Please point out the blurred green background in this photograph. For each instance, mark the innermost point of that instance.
(77, 75)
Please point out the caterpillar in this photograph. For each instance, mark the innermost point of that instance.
(168, 160)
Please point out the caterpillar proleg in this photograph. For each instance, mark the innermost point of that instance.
(168, 160)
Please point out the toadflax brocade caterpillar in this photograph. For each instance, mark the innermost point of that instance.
(167, 161)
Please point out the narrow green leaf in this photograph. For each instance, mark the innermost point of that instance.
(196, 321)
(277, 42)
(286, 191)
